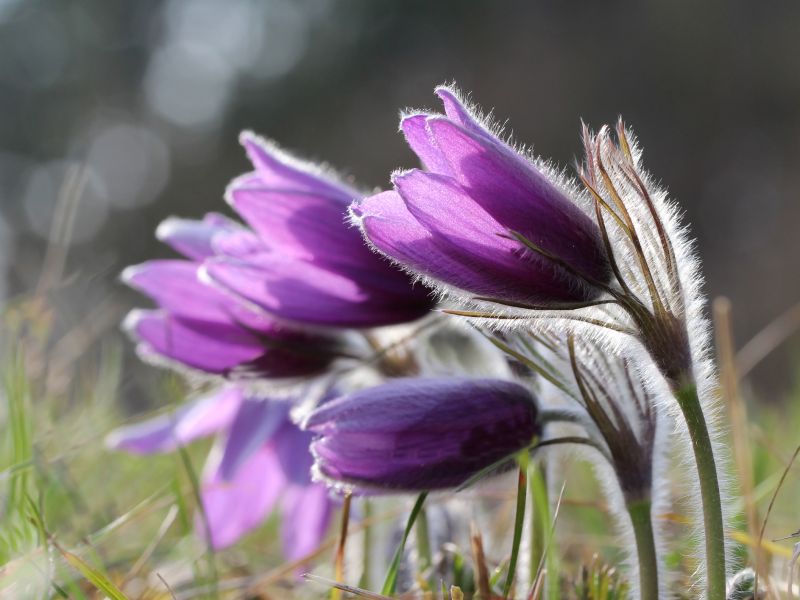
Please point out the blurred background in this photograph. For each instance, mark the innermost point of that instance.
(118, 114)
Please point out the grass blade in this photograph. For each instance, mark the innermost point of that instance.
(519, 518)
(94, 576)
(390, 583)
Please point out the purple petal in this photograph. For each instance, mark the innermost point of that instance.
(307, 226)
(175, 286)
(307, 514)
(256, 422)
(520, 197)
(313, 229)
(234, 507)
(193, 238)
(277, 169)
(440, 231)
(292, 445)
(389, 225)
(164, 433)
(456, 111)
(299, 291)
(238, 243)
(415, 130)
(224, 348)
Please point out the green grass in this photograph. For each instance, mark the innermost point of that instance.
(79, 521)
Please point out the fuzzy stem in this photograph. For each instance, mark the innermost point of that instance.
(689, 402)
(645, 548)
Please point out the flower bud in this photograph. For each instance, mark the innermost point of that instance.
(422, 434)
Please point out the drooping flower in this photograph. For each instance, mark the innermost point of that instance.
(482, 218)
(207, 329)
(302, 261)
(422, 434)
(262, 459)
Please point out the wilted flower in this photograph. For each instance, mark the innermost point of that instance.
(204, 328)
(302, 262)
(483, 218)
(263, 459)
(422, 434)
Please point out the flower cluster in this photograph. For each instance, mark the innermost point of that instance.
(588, 287)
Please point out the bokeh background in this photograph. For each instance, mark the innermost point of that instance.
(117, 114)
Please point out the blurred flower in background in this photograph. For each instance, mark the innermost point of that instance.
(116, 114)
(261, 461)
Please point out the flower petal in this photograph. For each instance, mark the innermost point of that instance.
(392, 229)
(415, 130)
(193, 238)
(292, 445)
(303, 225)
(277, 169)
(175, 286)
(234, 507)
(226, 348)
(520, 197)
(456, 111)
(256, 423)
(165, 433)
(487, 264)
(299, 291)
(306, 517)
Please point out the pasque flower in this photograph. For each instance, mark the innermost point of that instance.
(422, 433)
(483, 218)
(204, 328)
(262, 460)
(302, 262)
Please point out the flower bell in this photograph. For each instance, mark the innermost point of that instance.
(302, 261)
(482, 218)
(422, 434)
(206, 329)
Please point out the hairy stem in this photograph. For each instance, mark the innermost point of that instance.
(689, 402)
(645, 548)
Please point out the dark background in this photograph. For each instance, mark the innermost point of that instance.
(150, 96)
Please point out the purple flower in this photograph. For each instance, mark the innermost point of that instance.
(264, 461)
(208, 329)
(302, 261)
(482, 218)
(422, 434)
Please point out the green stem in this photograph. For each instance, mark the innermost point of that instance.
(519, 518)
(423, 541)
(364, 582)
(538, 523)
(541, 550)
(689, 402)
(645, 548)
(390, 583)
